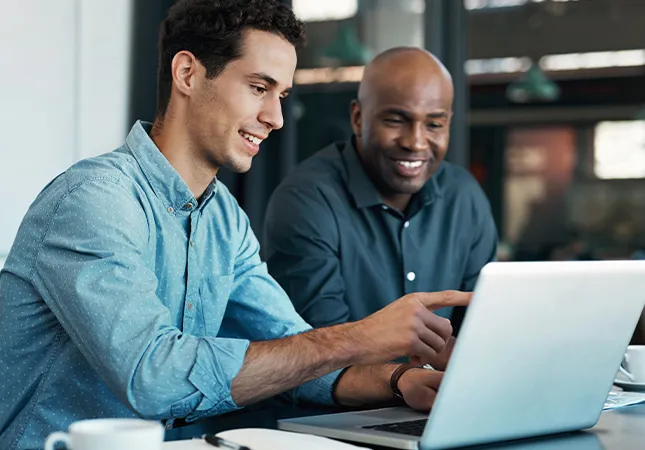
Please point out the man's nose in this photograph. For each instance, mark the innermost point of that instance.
(271, 114)
(416, 138)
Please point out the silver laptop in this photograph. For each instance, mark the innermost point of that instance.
(537, 354)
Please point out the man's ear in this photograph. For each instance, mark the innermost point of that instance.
(356, 117)
(184, 68)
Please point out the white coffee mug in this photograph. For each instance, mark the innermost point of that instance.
(633, 364)
(110, 434)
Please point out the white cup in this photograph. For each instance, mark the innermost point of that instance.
(633, 364)
(109, 434)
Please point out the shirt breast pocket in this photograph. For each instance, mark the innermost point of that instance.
(215, 292)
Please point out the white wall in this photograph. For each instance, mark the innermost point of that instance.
(63, 90)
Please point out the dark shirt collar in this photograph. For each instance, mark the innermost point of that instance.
(162, 176)
(365, 193)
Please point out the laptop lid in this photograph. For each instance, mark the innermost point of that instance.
(538, 351)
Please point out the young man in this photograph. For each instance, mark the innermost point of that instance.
(134, 286)
(364, 222)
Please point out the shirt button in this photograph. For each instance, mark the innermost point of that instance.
(190, 306)
(406, 224)
(384, 207)
(188, 206)
(171, 209)
(411, 276)
(192, 243)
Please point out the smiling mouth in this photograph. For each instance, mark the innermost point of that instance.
(249, 137)
(410, 164)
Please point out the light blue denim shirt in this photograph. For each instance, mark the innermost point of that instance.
(123, 295)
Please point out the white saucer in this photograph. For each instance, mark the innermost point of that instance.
(629, 385)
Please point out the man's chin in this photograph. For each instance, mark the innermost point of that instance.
(409, 186)
(239, 166)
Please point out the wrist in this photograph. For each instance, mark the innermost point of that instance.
(395, 377)
(362, 386)
(334, 388)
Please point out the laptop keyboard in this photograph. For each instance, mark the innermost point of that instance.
(410, 427)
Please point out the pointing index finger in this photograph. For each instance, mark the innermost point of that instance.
(436, 300)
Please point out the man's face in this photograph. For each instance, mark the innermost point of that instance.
(231, 114)
(402, 131)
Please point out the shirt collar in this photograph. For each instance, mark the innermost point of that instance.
(365, 193)
(162, 176)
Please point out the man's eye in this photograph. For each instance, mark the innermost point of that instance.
(258, 89)
(435, 125)
(393, 120)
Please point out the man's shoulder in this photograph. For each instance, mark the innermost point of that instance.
(460, 190)
(117, 166)
(88, 192)
(312, 185)
(456, 181)
(111, 172)
(323, 169)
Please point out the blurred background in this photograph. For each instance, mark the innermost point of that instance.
(549, 108)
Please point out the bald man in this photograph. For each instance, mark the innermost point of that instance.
(364, 222)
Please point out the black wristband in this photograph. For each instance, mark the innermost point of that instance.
(394, 380)
(335, 385)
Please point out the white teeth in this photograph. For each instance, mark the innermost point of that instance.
(253, 139)
(410, 164)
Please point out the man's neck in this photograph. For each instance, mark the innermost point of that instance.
(397, 201)
(173, 142)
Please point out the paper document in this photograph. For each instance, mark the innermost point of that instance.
(265, 439)
(618, 399)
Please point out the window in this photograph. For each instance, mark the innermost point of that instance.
(619, 149)
(482, 4)
(316, 11)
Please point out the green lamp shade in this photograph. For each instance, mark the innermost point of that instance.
(346, 49)
(533, 86)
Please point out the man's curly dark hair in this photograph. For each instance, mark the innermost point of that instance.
(213, 31)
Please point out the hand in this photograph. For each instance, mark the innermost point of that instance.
(408, 327)
(440, 362)
(419, 387)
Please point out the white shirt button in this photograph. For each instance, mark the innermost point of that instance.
(406, 224)
(384, 207)
(411, 276)
(171, 209)
(192, 243)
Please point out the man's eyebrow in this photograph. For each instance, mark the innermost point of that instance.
(405, 114)
(268, 79)
(264, 77)
(397, 112)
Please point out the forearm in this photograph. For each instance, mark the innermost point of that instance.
(272, 367)
(406, 327)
